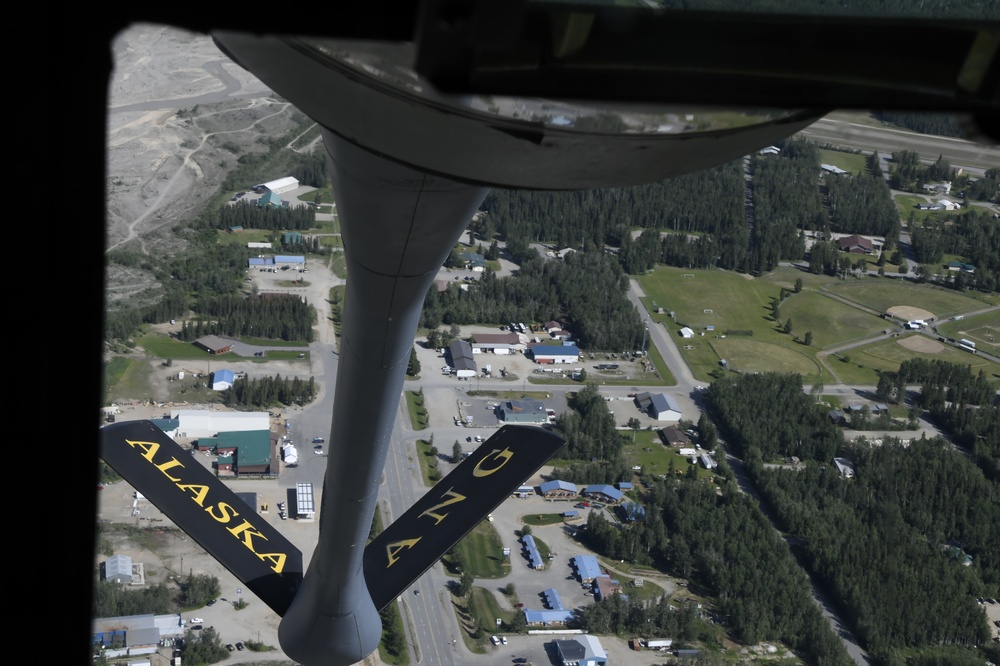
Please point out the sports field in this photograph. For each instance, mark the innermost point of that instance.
(830, 321)
(888, 354)
(882, 294)
(735, 305)
(983, 329)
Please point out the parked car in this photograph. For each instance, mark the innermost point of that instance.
(318, 440)
(495, 640)
(503, 639)
(479, 438)
(229, 646)
(239, 646)
(195, 620)
(211, 602)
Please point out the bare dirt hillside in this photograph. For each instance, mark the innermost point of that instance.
(180, 113)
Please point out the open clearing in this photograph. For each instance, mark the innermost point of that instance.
(882, 294)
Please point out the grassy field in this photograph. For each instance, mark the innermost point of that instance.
(733, 302)
(114, 371)
(864, 362)
(648, 452)
(418, 412)
(481, 551)
(164, 346)
(830, 321)
(882, 294)
(846, 161)
(983, 329)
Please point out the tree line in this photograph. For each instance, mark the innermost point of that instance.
(875, 541)
(272, 316)
(251, 216)
(716, 537)
(884, 542)
(270, 391)
(586, 291)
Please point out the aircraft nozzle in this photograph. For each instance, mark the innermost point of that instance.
(313, 636)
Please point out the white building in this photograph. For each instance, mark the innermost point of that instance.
(686, 332)
(205, 423)
(286, 184)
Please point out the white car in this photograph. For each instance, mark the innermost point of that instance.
(479, 438)
(196, 620)
(496, 641)
(503, 639)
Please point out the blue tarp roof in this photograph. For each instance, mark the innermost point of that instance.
(552, 350)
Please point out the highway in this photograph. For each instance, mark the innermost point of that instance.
(974, 157)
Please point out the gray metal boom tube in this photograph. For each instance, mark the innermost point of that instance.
(398, 226)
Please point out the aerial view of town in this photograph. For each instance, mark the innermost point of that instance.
(777, 381)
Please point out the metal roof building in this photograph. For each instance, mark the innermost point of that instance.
(555, 353)
(587, 568)
(536, 617)
(461, 359)
(223, 379)
(279, 185)
(305, 501)
(556, 488)
(205, 423)
(524, 411)
(584, 650)
(603, 491)
(118, 568)
(531, 550)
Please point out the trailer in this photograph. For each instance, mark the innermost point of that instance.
(659, 644)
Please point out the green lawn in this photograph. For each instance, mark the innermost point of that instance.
(733, 302)
(481, 551)
(889, 354)
(418, 413)
(847, 161)
(659, 458)
(428, 462)
(983, 329)
(539, 519)
(114, 370)
(882, 294)
(830, 321)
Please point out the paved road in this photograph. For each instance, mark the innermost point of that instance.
(974, 157)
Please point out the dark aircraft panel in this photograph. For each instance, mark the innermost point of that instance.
(206, 509)
(459, 502)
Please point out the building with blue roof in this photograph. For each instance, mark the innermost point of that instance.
(535, 560)
(624, 485)
(603, 492)
(260, 262)
(552, 599)
(223, 379)
(548, 617)
(565, 353)
(290, 259)
(587, 568)
(556, 488)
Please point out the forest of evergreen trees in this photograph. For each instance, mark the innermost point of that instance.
(717, 538)
(767, 416)
(960, 402)
(880, 542)
(251, 216)
(587, 291)
(270, 316)
(269, 392)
